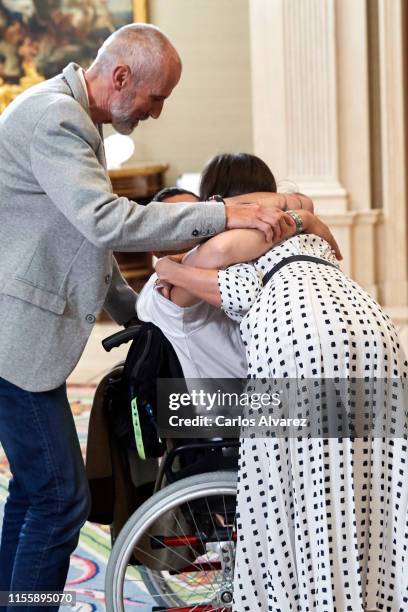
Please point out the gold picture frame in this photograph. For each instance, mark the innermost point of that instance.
(37, 45)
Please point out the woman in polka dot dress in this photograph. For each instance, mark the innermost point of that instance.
(322, 522)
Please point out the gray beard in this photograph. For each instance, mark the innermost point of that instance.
(122, 126)
(120, 119)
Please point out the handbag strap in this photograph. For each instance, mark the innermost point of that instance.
(292, 258)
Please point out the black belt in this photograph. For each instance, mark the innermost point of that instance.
(289, 260)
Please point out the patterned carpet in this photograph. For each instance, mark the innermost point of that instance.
(88, 563)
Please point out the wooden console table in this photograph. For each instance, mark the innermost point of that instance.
(140, 183)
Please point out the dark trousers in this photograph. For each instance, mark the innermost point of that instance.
(48, 498)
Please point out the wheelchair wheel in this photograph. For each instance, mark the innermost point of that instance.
(183, 540)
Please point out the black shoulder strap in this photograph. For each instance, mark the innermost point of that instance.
(292, 258)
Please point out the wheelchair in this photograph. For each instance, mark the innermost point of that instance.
(177, 550)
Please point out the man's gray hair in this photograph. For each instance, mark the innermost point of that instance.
(141, 46)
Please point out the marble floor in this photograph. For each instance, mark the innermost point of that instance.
(88, 563)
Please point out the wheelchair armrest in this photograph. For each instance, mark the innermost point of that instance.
(121, 337)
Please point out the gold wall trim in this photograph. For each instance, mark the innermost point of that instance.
(140, 11)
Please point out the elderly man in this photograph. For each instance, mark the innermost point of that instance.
(60, 223)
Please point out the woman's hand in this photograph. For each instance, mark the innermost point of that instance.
(161, 284)
(164, 288)
(163, 269)
(314, 225)
(202, 283)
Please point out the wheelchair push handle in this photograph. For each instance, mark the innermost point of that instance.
(122, 337)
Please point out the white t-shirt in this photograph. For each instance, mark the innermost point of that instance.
(207, 343)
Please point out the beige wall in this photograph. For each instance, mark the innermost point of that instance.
(210, 110)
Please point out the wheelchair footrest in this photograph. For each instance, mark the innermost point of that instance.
(213, 566)
(160, 541)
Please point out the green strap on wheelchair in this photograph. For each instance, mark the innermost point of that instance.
(137, 429)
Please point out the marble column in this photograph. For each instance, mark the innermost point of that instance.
(393, 77)
(313, 94)
(294, 64)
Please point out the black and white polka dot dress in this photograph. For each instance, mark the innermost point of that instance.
(322, 522)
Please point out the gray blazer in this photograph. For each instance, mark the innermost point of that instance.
(59, 224)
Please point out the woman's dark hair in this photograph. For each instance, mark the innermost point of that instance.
(169, 192)
(232, 174)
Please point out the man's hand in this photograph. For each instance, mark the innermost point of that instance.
(266, 218)
(259, 211)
